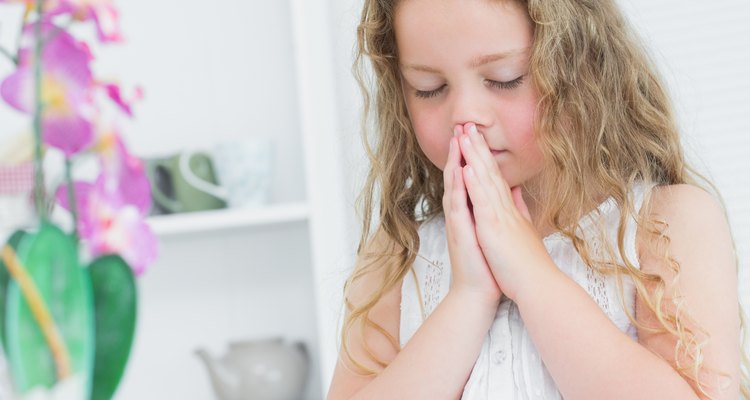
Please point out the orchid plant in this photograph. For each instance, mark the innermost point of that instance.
(68, 296)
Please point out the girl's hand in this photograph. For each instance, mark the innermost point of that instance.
(470, 271)
(510, 243)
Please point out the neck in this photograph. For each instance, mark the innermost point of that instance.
(531, 197)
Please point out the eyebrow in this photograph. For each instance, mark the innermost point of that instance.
(475, 63)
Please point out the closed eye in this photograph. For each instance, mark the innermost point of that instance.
(506, 85)
(509, 85)
(426, 94)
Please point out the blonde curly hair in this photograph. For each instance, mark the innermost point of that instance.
(604, 123)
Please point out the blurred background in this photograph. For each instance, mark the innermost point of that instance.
(233, 77)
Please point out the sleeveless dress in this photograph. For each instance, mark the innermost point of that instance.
(509, 366)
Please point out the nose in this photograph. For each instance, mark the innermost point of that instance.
(469, 105)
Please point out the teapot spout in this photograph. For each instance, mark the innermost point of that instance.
(225, 381)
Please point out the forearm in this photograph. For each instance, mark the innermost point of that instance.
(437, 361)
(586, 354)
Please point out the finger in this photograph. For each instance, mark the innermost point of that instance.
(458, 131)
(484, 152)
(459, 194)
(486, 215)
(492, 172)
(451, 163)
(478, 194)
(454, 157)
(449, 166)
(518, 200)
(480, 147)
(492, 187)
(460, 198)
(448, 174)
(462, 220)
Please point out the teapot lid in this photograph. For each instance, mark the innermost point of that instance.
(254, 342)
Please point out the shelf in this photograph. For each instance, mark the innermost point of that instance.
(205, 221)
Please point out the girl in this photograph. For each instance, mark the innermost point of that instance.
(540, 234)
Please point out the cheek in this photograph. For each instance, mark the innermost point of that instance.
(519, 123)
(431, 135)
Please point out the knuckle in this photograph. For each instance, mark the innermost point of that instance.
(493, 220)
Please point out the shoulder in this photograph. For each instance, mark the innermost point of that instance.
(685, 203)
(694, 226)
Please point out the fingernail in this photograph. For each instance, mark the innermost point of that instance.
(473, 129)
(450, 145)
(455, 131)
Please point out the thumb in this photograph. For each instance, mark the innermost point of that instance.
(519, 202)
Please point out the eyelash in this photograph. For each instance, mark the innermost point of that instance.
(495, 84)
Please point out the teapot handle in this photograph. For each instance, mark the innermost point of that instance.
(197, 182)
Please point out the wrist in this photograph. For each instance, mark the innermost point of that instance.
(476, 298)
(540, 279)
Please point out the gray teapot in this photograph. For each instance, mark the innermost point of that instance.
(265, 369)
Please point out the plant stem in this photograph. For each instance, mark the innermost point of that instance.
(15, 59)
(40, 311)
(72, 205)
(39, 194)
(6, 53)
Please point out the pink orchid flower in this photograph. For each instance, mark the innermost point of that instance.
(30, 4)
(102, 12)
(120, 229)
(114, 92)
(112, 210)
(108, 225)
(124, 172)
(67, 84)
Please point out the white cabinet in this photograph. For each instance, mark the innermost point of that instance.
(218, 71)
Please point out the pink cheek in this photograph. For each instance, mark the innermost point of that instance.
(432, 137)
(521, 125)
(436, 150)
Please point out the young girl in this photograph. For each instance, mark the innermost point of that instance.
(540, 234)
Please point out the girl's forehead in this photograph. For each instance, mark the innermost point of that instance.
(447, 8)
(448, 30)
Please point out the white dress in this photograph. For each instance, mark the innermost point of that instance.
(509, 366)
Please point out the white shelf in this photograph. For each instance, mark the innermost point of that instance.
(204, 221)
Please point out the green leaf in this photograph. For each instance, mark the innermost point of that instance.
(13, 242)
(51, 259)
(115, 299)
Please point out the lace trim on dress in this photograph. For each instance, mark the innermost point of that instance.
(597, 289)
(596, 282)
(433, 275)
(419, 294)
